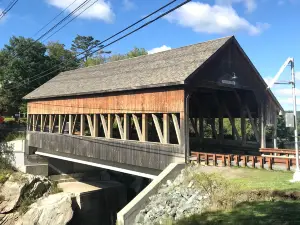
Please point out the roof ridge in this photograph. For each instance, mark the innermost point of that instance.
(99, 65)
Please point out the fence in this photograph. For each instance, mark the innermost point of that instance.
(270, 159)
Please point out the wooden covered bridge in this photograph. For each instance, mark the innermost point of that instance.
(138, 115)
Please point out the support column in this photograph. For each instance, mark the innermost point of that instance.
(262, 127)
(126, 126)
(34, 122)
(96, 126)
(50, 123)
(275, 132)
(221, 124)
(232, 129)
(82, 124)
(42, 122)
(59, 123)
(243, 125)
(110, 125)
(71, 121)
(144, 127)
(166, 128)
(184, 128)
(201, 127)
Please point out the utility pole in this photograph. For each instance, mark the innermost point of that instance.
(296, 176)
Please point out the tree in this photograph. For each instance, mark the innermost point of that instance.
(20, 60)
(135, 52)
(84, 45)
(64, 57)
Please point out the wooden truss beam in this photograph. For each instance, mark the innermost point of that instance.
(96, 126)
(119, 122)
(253, 124)
(104, 125)
(166, 128)
(158, 128)
(90, 123)
(176, 126)
(137, 127)
(82, 125)
(145, 127)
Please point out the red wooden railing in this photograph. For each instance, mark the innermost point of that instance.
(270, 158)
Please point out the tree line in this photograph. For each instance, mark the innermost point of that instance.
(24, 63)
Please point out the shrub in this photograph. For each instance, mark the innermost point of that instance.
(15, 136)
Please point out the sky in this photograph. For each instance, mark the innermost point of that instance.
(267, 30)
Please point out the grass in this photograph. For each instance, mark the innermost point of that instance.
(4, 175)
(265, 180)
(253, 213)
(15, 136)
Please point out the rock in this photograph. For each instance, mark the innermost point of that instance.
(53, 210)
(9, 219)
(13, 189)
(19, 185)
(38, 189)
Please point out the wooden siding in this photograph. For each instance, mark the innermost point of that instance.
(137, 102)
(143, 154)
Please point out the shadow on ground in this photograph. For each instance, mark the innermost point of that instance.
(275, 213)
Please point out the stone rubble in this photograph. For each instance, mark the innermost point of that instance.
(174, 200)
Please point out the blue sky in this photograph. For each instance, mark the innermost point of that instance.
(268, 30)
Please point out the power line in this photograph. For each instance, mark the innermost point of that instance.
(109, 38)
(8, 8)
(70, 21)
(64, 19)
(142, 26)
(54, 18)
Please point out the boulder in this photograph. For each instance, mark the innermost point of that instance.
(53, 210)
(13, 189)
(9, 219)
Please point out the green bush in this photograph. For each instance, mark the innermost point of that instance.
(15, 136)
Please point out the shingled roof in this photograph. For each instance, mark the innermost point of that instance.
(166, 68)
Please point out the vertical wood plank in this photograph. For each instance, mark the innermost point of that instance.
(262, 127)
(60, 123)
(126, 126)
(166, 128)
(243, 126)
(34, 122)
(110, 125)
(96, 126)
(144, 127)
(42, 122)
(70, 124)
(50, 123)
(82, 124)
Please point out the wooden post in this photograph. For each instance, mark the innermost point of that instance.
(262, 127)
(34, 122)
(104, 125)
(82, 125)
(201, 127)
(50, 123)
(59, 123)
(137, 127)
(96, 126)
(42, 122)
(221, 124)
(70, 124)
(144, 127)
(233, 130)
(275, 133)
(166, 128)
(126, 126)
(110, 125)
(243, 125)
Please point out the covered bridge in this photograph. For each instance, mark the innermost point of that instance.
(138, 115)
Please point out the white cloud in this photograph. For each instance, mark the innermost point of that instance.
(159, 49)
(249, 4)
(287, 91)
(297, 75)
(101, 10)
(268, 79)
(288, 101)
(128, 5)
(216, 19)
